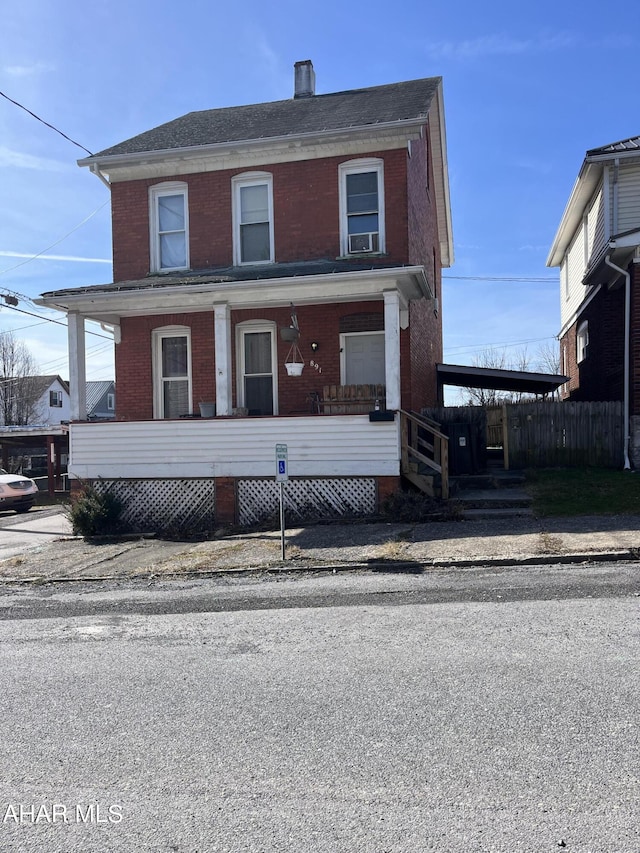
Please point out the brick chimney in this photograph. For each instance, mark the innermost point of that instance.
(304, 79)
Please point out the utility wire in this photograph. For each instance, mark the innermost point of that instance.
(46, 123)
(500, 278)
(57, 322)
(57, 242)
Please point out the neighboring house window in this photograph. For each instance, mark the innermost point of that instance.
(361, 207)
(172, 372)
(582, 341)
(253, 218)
(169, 219)
(55, 399)
(111, 402)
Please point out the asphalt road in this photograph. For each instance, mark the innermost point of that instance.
(487, 710)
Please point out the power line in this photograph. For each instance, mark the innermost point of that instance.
(53, 245)
(57, 322)
(46, 123)
(554, 280)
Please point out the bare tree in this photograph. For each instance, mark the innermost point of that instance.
(20, 388)
(497, 360)
(548, 360)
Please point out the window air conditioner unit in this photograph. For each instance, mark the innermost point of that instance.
(363, 242)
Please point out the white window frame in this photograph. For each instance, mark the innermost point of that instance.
(55, 399)
(343, 350)
(155, 194)
(111, 402)
(251, 179)
(256, 326)
(582, 341)
(158, 379)
(353, 167)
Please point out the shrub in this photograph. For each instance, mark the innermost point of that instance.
(94, 513)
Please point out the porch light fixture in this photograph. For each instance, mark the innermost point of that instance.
(315, 346)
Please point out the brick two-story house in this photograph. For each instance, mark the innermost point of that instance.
(597, 247)
(311, 230)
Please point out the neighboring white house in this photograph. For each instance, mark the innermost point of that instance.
(597, 247)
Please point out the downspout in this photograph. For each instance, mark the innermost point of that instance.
(627, 324)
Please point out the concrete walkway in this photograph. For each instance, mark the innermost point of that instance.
(380, 546)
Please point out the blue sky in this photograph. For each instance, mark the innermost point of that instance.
(528, 88)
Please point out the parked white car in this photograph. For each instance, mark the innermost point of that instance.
(16, 492)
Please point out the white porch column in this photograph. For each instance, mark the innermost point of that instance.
(77, 367)
(222, 332)
(392, 348)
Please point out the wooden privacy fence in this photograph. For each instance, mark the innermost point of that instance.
(547, 435)
(544, 434)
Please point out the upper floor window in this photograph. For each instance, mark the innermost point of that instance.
(361, 207)
(169, 219)
(172, 372)
(253, 218)
(55, 399)
(111, 402)
(582, 341)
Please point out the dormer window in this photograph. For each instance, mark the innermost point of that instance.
(362, 207)
(253, 218)
(169, 220)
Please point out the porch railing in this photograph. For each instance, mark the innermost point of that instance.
(423, 443)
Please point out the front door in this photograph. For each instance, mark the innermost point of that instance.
(256, 353)
(363, 362)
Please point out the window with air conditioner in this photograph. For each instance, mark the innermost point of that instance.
(362, 207)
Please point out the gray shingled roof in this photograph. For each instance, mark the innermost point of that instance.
(631, 144)
(336, 111)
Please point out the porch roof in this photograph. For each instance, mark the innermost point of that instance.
(264, 286)
(499, 380)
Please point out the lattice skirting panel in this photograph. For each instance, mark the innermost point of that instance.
(306, 500)
(177, 505)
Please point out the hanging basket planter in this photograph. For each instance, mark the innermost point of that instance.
(293, 362)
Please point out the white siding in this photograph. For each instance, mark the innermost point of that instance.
(321, 446)
(595, 224)
(573, 291)
(628, 198)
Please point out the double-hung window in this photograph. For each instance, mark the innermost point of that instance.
(169, 220)
(361, 207)
(172, 372)
(55, 399)
(582, 341)
(253, 218)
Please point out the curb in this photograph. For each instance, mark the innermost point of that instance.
(400, 567)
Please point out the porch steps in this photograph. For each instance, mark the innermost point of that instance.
(424, 482)
(495, 494)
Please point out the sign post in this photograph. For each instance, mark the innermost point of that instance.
(282, 476)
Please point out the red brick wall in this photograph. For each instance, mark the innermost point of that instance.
(306, 214)
(424, 248)
(134, 379)
(320, 323)
(600, 375)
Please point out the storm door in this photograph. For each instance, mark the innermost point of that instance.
(257, 363)
(363, 358)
